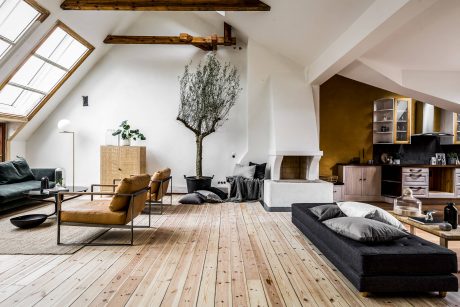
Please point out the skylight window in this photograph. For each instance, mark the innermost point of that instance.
(43, 72)
(16, 17)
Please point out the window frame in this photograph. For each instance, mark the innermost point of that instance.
(2, 142)
(70, 72)
(44, 13)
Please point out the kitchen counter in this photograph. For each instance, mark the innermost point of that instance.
(421, 165)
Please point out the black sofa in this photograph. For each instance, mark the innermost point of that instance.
(410, 264)
(16, 178)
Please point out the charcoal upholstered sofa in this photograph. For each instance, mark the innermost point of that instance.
(16, 178)
(410, 264)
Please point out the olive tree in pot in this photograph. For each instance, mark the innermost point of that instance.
(206, 97)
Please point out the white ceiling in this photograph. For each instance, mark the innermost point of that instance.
(431, 41)
(298, 29)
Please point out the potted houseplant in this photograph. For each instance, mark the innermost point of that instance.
(127, 134)
(206, 97)
(452, 158)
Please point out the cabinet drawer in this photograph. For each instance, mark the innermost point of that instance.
(418, 178)
(421, 191)
(415, 170)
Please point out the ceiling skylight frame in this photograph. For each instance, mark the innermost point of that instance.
(33, 54)
(40, 16)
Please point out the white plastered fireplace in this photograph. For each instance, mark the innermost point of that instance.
(294, 156)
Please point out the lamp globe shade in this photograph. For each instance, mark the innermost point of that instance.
(63, 124)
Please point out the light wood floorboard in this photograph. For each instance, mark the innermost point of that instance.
(211, 255)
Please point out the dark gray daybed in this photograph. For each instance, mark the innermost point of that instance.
(410, 264)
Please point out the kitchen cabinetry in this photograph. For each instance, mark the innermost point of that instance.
(456, 129)
(361, 183)
(392, 121)
(417, 179)
(338, 193)
(118, 162)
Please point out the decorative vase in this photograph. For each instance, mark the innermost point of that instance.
(125, 142)
(59, 177)
(451, 215)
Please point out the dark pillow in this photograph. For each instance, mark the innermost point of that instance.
(260, 170)
(364, 230)
(24, 171)
(209, 196)
(192, 199)
(326, 212)
(8, 173)
(217, 191)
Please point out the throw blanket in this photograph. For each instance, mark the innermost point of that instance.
(243, 189)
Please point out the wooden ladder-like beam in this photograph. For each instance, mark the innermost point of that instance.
(208, 43)
(166, 5)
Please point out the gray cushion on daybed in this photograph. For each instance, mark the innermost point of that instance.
(364, 230)
(326, 212)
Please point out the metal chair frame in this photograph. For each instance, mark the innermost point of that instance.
(129, 226)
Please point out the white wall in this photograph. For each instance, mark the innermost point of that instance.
(140, 84)
(280, 104)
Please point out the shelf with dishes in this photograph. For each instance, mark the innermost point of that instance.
(392, 121)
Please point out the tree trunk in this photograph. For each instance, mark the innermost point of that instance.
(199, 156)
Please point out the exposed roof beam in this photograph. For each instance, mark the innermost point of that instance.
(166, 5)
(380, 20)
(208, 43)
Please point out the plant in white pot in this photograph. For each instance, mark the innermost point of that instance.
(206, 97)
(127, 134)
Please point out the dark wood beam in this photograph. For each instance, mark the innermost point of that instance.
(166, 5)
(163, 40)
(208, 43)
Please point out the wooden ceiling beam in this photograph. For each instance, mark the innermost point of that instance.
(205, 43)
(166, 5)
(163, 40)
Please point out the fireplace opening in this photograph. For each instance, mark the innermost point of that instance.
(293, 168)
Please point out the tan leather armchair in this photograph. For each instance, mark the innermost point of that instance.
(159, 184)
(127, 202)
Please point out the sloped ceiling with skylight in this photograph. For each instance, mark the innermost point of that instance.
(43, 71)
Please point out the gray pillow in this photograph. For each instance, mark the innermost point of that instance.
(209, 197)
(326, 212)
(192, 199)
(364, 230)
(245, 171)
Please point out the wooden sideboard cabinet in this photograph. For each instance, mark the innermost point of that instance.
(119, 162)
(361, 183)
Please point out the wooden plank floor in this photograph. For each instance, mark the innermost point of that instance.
(209, 255)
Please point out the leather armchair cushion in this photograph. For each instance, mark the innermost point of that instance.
(128, 186)
(155, 187)
(95, 212)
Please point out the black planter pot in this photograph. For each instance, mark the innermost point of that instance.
(195, 183)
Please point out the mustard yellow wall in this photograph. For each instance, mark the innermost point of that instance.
(346, 108)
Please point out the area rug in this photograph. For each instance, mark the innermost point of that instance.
(42, 239)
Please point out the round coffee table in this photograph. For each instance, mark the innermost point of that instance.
(34, 220)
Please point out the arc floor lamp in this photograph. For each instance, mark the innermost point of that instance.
(63, 127)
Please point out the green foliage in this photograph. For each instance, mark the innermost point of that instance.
(206, 97)
(127, 133)
(452, 155)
